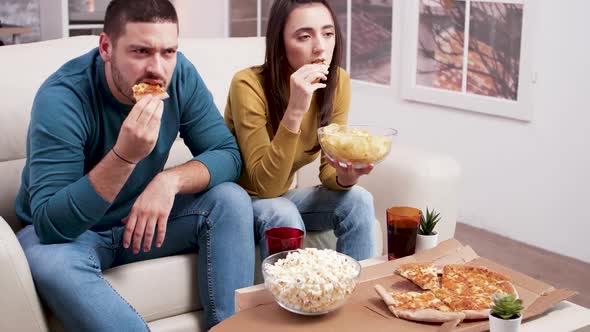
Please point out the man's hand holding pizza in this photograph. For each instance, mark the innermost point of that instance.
(139, 132)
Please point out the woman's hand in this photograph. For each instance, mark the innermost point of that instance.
(303, 83)
(348, 175)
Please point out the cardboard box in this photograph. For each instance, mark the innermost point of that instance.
(257, 310)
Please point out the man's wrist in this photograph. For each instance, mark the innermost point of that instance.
(171, 179)
(122, 158)
(120, 161)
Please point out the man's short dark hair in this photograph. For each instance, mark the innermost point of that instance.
(121, 12)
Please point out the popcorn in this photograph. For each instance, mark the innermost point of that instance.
(311, 280)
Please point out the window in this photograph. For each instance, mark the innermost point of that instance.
(370, 52)
(366, 27)
(469, 54)
(243, 18)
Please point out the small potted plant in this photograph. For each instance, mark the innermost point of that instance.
(505, 313)
(427, 236)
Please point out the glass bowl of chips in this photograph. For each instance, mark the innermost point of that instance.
(356, 144)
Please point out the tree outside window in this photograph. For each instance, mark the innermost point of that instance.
(493, 41)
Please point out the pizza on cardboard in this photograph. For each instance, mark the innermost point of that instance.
(449, 293)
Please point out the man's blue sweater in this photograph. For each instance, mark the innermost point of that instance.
(75, 121)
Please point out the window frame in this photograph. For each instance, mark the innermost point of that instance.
(520, 109)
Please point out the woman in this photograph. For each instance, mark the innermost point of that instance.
(275, 110)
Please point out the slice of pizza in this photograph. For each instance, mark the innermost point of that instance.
(422, 307)
(142, 89)
(473, 306)
(424, 275)
(466, 279)
(469, 289)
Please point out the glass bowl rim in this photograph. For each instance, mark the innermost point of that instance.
(389, 131)
(356, 263)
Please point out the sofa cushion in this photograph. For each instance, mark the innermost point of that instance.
(20, 309)
(219, 71)
(24, 69)
(158, 288)
(10, 172)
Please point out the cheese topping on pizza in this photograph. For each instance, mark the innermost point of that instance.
(416, 300)
(466, 280)
(458, 302)
(424, 275)
(142, 89)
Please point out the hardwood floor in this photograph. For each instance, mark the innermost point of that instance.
(559, 271)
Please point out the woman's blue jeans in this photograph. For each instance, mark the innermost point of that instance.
(350, 213)
(217, 224)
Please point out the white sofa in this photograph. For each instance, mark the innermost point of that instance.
(407, 177)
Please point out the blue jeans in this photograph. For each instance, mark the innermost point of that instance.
(68, 276)
(351, 214)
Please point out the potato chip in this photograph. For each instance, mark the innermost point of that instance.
(354, 145)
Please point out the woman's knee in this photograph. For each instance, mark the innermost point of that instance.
(362, 195)
(359, 209)
(277, 212)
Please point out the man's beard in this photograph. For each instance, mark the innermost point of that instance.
(120, 83)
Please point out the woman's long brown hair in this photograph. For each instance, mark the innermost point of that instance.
(276, 66)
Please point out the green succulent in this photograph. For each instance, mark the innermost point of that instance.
(506, 306)
(428, 222)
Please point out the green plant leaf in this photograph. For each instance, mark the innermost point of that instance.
(428, 222)
(506, 306)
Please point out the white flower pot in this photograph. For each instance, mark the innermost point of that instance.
(424, 242)
(504, 325)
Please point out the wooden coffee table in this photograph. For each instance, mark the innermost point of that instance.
(565, 316)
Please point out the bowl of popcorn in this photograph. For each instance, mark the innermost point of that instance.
(358, 145)
(310, 281)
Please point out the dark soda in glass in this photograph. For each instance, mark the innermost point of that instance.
(401, 241)
(402, 230)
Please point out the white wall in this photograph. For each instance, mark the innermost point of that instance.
(202, 18)
(529, 181)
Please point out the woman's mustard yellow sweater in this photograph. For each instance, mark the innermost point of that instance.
(271, 161)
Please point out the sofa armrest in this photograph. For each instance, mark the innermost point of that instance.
(408, 177)
(20, 307)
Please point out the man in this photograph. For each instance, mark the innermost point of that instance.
(93, 188)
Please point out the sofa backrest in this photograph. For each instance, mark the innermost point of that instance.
(25, 67)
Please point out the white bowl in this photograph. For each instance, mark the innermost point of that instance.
(304, 282)
(356, 144)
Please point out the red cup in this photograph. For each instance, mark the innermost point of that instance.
(283, 238)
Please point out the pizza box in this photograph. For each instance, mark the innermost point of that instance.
(365, 310)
